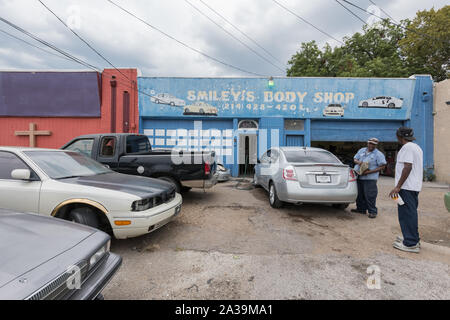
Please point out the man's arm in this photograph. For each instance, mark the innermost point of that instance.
(407, 167)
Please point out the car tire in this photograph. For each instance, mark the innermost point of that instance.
(84, 215)
(391, 105)
(341, 206)
(273, 197)
(186, 110)
(202, 111)
(365, 104)
(173, 182)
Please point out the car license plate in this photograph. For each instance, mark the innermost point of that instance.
(323, 179)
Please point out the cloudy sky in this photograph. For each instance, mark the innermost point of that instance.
(127, 42)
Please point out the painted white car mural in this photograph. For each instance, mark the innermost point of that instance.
(333, 110)
(200, 108)
(382, 102)
(165, 98)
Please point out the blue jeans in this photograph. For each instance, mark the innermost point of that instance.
(408, 218)
(367, 196)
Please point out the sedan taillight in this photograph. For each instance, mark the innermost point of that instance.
(289, 173)
(352, 176)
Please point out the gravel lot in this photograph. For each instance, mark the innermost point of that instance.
(230, 244)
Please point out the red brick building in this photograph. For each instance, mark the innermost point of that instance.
(61, 105)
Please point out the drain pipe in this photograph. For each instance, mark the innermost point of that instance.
(113, 83)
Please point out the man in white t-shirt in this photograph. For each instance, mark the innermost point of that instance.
(408, 184)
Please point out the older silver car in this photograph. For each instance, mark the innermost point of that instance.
(305, 175)
(51, 259)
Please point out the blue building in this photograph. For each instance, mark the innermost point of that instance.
(240, 118)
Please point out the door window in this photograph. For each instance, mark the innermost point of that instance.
(8, 163)
(83, 146)
(108, 147)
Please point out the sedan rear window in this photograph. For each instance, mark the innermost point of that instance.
(305, 156)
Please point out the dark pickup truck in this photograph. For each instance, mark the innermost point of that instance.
(133, 154)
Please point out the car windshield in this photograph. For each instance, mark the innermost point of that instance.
(308, 156)
(63, 165)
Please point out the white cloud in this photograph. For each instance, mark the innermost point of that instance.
(128, 43)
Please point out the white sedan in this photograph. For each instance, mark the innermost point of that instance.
(382, 102)
(74, 187)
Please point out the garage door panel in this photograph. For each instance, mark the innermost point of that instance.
(354, 130)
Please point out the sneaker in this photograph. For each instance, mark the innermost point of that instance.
(400, 239)
(372, 215)
(402, 247)
(358, 211)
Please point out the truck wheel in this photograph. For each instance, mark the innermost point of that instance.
(273, 197)
(84, 216)
(173, 182)
(341, 206)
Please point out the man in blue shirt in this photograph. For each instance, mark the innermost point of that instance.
(367, 180)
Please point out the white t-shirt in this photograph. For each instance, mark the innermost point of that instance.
(410, 153)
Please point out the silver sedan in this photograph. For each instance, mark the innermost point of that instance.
(305, 175)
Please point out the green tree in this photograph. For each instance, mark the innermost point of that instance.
(427, 43)
(382, 50)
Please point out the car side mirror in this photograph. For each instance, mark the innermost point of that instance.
(21, 174)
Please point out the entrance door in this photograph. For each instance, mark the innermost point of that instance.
(248, 153)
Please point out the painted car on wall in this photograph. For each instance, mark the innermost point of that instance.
(165, 98)
(382, 102)
(200, 108)
(334, 110)
(71, 186)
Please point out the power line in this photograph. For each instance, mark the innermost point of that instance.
(185, 44)
(354, 14)
(68, 55)
(397, 24)
(32, 45)
(240, 31)
(85, 42)
(79, 37)
(306, 21)
(232, 35)
(387, 14)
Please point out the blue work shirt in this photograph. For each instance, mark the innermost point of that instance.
(375, 159)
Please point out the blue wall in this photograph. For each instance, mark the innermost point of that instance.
(407, 101)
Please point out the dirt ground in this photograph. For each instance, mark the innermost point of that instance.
(230, 244)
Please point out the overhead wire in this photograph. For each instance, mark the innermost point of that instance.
(232, 35)
(306, 21)
(185, 44)
(241, 32)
